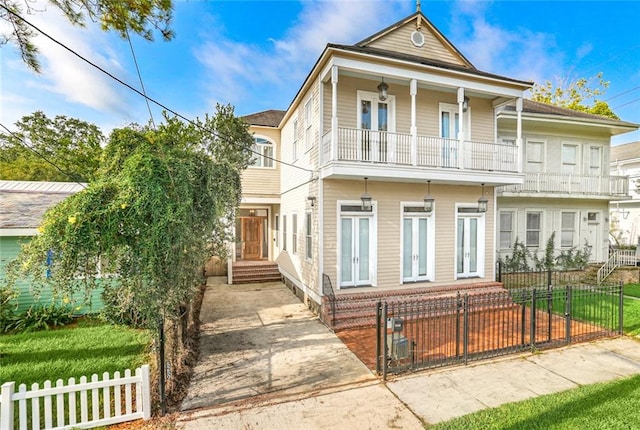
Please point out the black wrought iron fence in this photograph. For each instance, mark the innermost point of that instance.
(452, 330)
(538, 278)
(330, 297)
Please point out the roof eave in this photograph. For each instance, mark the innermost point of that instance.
(615, 128)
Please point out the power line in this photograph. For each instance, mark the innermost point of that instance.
(152, 100)
(31, 148)
(135, 61)
(628, 103)
(622, 93)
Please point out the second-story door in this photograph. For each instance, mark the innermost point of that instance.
(375, 120)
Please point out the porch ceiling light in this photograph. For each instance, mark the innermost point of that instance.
(383, 90)
(483, 203)
(428, 199)
(366, 198)
(465, 104)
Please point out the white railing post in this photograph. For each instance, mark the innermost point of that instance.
(6, 405)
(413, 91)
(146, 393)
(334, 113)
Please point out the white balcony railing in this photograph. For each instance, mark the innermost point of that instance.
(404, 149)
(566, 183)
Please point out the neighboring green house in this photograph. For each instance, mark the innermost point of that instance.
(22, 206)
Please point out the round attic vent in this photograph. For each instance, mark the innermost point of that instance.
(417, 38)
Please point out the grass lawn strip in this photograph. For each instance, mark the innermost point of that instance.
(632, 290)
(610, 405)
(82, 350)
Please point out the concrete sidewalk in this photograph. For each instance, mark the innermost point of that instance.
(267, 363)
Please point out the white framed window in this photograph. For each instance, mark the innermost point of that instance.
(308, 121)
(450, 121)
(567, 229)
(506, 229)
(535, 156)
(277, 228)
(595, 160)
(570, 158)
(263, 153)
(294, 145)
(284, 232)
(308, 238)
(294, 233)
(534, 226)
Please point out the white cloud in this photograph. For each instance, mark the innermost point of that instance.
(235, 70)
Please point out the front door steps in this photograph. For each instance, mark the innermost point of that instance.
(358, 310)
(248, 272)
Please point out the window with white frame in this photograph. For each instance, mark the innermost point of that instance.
(308, 238)
(567, 229)
(506, 229)
(570, 159)
(294, 145)
(534, 225)
(595, 160)
(294, 233)
(308, 111)
(284, 232)
(535, 156)
(450, 121)
(277, 228)
(263, 153)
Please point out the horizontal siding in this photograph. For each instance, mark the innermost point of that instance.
(399, 40)
(258, 181)
(388, 197)
(9, 250)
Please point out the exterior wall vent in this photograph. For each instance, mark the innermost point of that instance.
(417, 38)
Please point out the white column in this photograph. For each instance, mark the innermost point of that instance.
(461, 145)
(519, 147)
(334, 112)
(413, 90)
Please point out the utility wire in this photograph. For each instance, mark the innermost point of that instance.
(628, 103)
(152, 100)
(144, 91)
(31, 148)
(622, 93)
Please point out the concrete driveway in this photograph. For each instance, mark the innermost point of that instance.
(261, 348)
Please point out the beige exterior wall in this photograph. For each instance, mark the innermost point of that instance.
(596, 233)
(387, 198)
(433, 48)
(427, 108)
(263, 181)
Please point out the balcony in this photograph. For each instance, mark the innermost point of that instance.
(562, 184)
(404, 150)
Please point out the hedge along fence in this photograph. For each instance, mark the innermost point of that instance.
(86, 404)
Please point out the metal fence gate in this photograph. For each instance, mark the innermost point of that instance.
(457, 329)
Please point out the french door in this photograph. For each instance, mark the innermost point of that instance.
(375, 119)
(469, 246)
(355, 251)
(415, 232)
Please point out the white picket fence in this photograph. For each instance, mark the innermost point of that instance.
(109, 401)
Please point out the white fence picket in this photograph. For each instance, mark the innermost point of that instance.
(66, 402)
(72, 403)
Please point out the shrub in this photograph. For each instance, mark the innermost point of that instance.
(38, 317)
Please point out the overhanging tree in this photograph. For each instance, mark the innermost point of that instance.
(161, 206)
(141, 17)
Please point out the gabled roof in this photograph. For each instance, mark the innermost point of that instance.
(23, 203)
(421, 21)
(425, 62)
(628, 151)
(267, 118)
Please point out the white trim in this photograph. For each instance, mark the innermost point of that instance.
(320, 237)
(272, 158)
(260, 200)
(373, 239)
(373, 98)
(8, 232)
(541, 238)
(543, 162)
(481, 239)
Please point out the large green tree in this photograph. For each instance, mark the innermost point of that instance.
(142, 17)
(44, 149)
(581, 95)
(162, 205)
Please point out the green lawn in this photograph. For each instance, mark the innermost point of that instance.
(632, 290)
(611, 405)
(83, 349)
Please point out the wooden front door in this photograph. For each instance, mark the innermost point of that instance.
(251, 238)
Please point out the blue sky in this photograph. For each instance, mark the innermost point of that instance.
(255, 54)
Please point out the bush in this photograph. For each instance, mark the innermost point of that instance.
(121, 307)
(38, 317)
